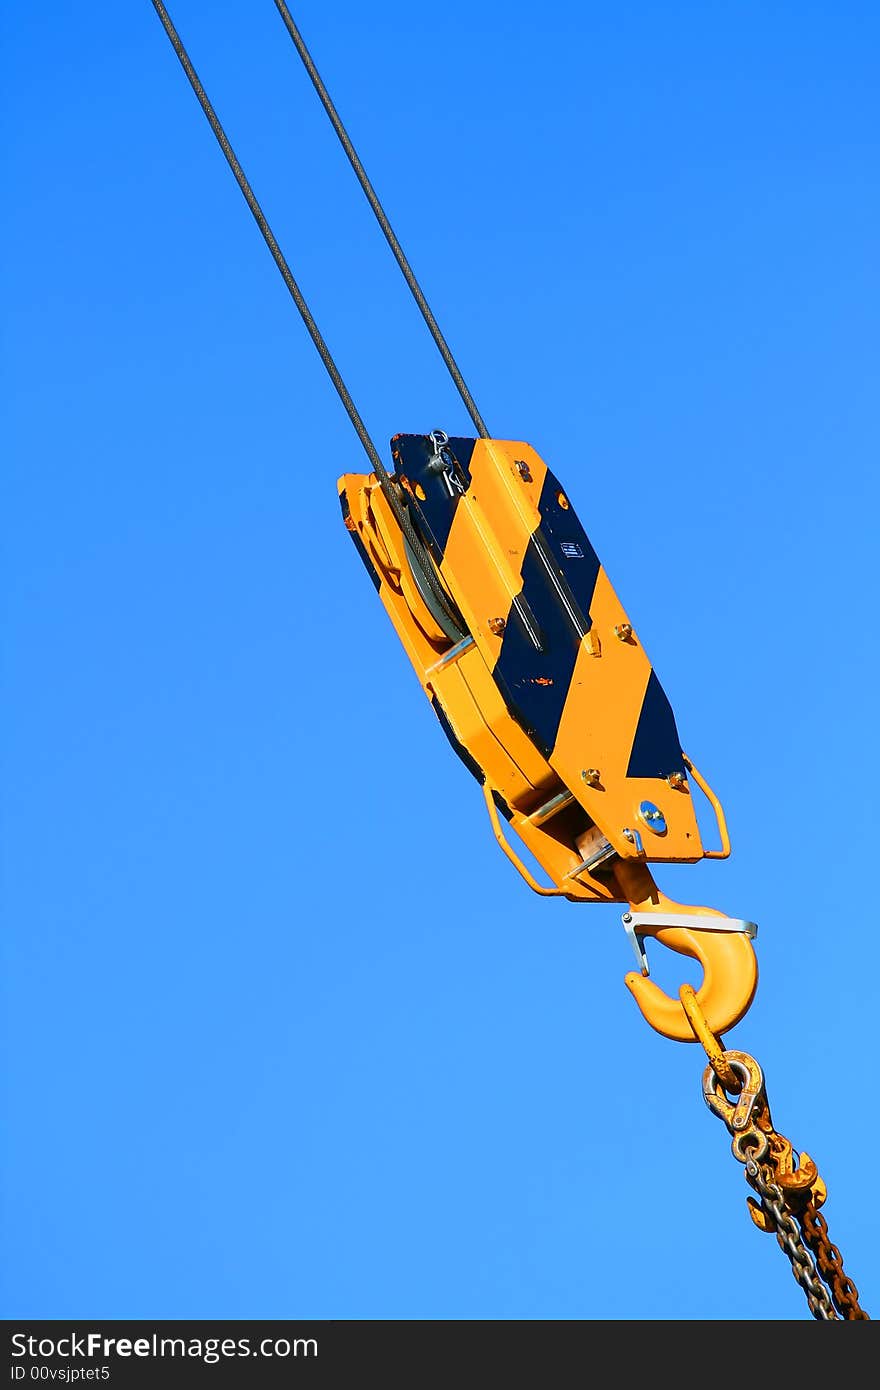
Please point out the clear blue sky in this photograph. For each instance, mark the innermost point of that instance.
(286, 1036)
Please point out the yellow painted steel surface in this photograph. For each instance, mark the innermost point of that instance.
(482, 563)
(544, 689)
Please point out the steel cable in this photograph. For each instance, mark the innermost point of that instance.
(389, 490)
(381, 218)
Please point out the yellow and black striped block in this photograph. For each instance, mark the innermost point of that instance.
(546, 692)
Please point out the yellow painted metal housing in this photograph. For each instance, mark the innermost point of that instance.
(548, 725)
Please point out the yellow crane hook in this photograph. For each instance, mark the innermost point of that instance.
(721, 945)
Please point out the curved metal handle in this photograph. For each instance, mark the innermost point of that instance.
(517, 863)
(724, 851)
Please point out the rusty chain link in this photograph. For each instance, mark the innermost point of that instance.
(779, 1220)
(789, 1188)
(828, 1258)
(787, 1183)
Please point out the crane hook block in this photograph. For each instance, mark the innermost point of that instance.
(533, 668)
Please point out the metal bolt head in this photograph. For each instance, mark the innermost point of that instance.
(497, 625)
(623, 631)
(591, 776)
(652, 817)
(676, 780)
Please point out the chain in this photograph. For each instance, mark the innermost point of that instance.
(788, 1184)
(828, 1258)
(788, 1236)
(789, 1188)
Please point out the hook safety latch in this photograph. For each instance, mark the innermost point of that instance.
(723, 947)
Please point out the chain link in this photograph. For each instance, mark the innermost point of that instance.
(830, 1262)
(788, 1184)
(760, 1176)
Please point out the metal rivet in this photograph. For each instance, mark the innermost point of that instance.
(497, 625)
(623, 631)
(591, 776)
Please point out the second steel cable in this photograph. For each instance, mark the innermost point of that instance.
(389, 491)
(381, 218)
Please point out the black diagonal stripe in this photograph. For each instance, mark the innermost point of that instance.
(571, 561)
(559, 574)
(533, 683)
(656, 749)
(435, 512)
